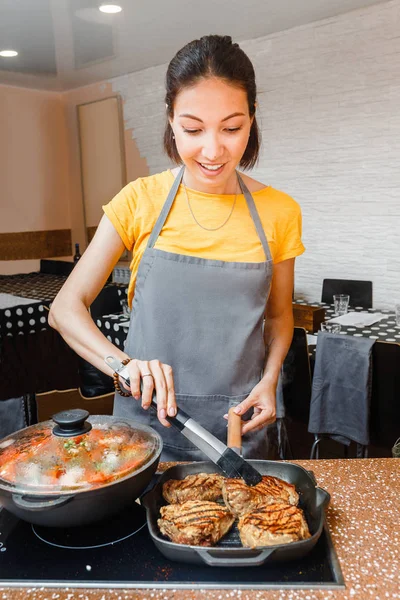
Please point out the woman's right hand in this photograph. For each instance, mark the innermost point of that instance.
(154, 375)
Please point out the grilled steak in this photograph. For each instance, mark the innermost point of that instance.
(274, 523)
(201, 486)
(241, 498)
(195, 523)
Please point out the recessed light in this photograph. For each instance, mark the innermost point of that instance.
(110, 8)
(8, 53)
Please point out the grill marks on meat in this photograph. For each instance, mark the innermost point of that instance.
(267, 512)
(274, 523)
(241, 498)
(201, 486)
(198, 523)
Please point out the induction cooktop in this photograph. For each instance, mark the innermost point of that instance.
(119, 553)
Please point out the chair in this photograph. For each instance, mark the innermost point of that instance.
(56, 267)
(296, 392)
(54, 401)
(296, 377)
(341, 393)
(360, 292)
(107, 302)
(17, 413)
(385, 401)
(92, 381)
(361, 450)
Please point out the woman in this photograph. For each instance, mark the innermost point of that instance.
(213, 252)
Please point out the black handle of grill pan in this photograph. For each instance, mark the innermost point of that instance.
(322, 498)
(241, 561)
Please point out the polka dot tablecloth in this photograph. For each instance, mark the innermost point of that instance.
(24, 318)
(41, 289)
(382, 331)
(32, 295)
(115, 327)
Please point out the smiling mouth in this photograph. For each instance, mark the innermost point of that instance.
(211, 167)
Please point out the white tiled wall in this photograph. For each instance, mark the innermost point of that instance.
(329, 110)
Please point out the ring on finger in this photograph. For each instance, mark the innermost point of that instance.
(147, 375)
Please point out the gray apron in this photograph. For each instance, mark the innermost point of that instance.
(205, 319)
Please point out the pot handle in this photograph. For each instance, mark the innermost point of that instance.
(323, 497)
(241, 561)
(35, 504)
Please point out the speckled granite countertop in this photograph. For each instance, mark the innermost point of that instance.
(363, 517)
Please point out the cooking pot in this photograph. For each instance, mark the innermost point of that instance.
(75, 469)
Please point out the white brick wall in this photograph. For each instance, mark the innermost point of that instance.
(329, 110)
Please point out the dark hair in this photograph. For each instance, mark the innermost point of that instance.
(211, 56)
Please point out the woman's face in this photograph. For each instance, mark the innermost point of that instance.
(211, 125)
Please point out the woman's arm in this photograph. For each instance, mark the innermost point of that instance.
(69, 311)
(278, 334)
(69, 315)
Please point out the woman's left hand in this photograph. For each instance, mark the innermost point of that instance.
(263, 400)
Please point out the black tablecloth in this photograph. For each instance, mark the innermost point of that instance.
(33, 357)
(37, 362)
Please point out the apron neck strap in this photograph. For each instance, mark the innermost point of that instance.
(256, 217)
(162, 217)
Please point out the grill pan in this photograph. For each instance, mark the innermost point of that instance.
(229, 552)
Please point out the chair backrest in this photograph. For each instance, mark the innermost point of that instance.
(296, 377)
(107, 302)
(92, 382)
(56, 267)
(385, 405)
(360, 292)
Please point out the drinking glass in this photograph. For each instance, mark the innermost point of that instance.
(331, 327)
(397, 314)
(341, 303)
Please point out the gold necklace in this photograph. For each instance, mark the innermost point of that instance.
(194, 216)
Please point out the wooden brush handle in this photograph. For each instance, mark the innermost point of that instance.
(234, 430)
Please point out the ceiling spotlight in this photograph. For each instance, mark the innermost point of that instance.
(8, 53)
(110, 8)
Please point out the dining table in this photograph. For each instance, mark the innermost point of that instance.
(33, 356)
(115, 326)
(385, 394)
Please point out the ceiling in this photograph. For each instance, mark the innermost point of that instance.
(63, 44)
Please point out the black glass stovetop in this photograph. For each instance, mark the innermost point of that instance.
(119, 553)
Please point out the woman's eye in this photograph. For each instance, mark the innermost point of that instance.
(233, 129)
(191, 131)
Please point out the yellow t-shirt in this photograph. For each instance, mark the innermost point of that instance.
(134, 211)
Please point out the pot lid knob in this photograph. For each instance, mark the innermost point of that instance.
(71, 423)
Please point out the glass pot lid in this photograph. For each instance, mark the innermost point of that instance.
(74, 453)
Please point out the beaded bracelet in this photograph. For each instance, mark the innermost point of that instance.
(116, 381)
